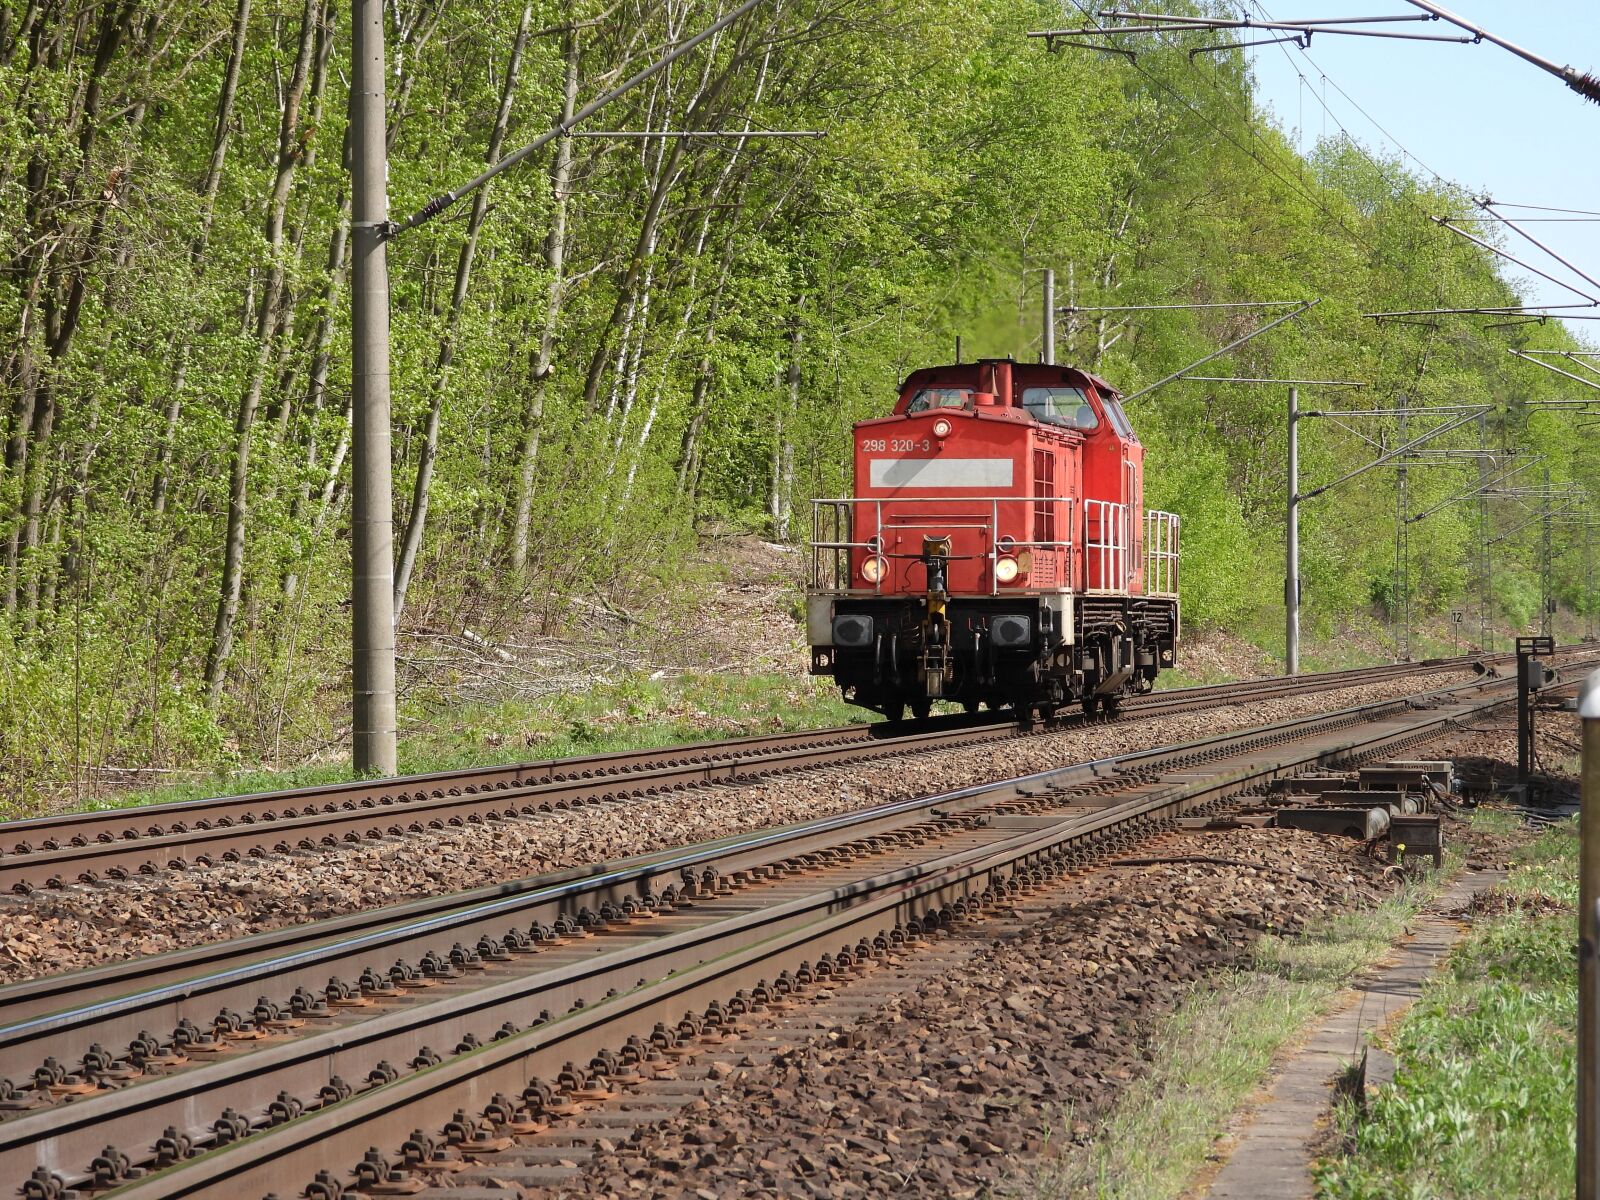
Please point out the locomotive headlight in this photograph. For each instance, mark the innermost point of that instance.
(873, 569)
(1006, 569)
(942, 428)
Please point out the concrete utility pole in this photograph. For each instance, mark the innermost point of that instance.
(372, 489)
(1588, 580)
(1291, 582)
(1485, 641)
(1291, 574)
(1049, 316)
(372, 535)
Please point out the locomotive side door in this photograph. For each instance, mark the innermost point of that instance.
(1135, 538)
(1131, 454)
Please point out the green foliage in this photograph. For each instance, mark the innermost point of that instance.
(1482, 1104)
(634, 712)
(1517, 595)
(706, 354)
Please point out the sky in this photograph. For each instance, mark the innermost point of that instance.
(1475, 114)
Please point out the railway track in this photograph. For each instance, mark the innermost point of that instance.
(88, 847)
(286, 1061)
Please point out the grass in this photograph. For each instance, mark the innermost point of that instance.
(636, 713)
(1213, 1051)
(1502, 821)
(1483, 1102)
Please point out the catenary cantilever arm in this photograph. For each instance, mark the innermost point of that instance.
(1233, 345)
(1447, 223)
(1455, 423)
(441, 202)
(1587, 85)
(1551, 367)
(1480, 490)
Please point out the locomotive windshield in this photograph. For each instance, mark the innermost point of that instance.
(940, 397)
(1119, 419)
(1066, 406)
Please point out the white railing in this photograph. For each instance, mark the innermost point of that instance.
(837, 532)
(1107, 546)
(1161, 553)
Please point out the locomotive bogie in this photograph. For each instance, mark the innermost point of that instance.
(1022, 652)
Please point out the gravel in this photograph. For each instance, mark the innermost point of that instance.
(941, 1091)
(84, 925)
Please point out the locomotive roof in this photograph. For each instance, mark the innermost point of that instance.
(1022, 371)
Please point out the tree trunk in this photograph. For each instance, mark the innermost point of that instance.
(779, 504)
(628, 286)
(317, 388)
(62, 304)
(221, 132)
(292, 357)
(26, 382)
(290, 148)
(700, 399)
(416, 524)
(34, 480)
(555, 256)
(223, 128)
(411, 39)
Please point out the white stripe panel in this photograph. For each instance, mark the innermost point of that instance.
(941, 472)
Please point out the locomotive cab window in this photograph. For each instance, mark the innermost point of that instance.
(937, 397)
(1119, 419)
(1066, 406)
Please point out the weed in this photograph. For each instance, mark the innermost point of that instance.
(1499, 821)
(1211, 1052)
(1482, 1104)
(638, 712)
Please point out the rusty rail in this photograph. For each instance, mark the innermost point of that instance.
(115, 844)
(712, 920)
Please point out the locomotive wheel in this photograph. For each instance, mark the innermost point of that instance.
(1091, 706)
(894, 712)
(1112, 705)
(921, 708)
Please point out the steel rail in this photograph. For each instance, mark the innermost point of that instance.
(84, 847)
(352, 823)
(395, 790)
(746, 947)
(30, 998)
(63, 1016)
(121, 821)
(248, 1081)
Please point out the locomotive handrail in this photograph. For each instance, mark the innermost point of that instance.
(1161, 553)
(838, 547)
(1108, 558)
(1107, 563)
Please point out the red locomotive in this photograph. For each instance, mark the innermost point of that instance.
(996, 549)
